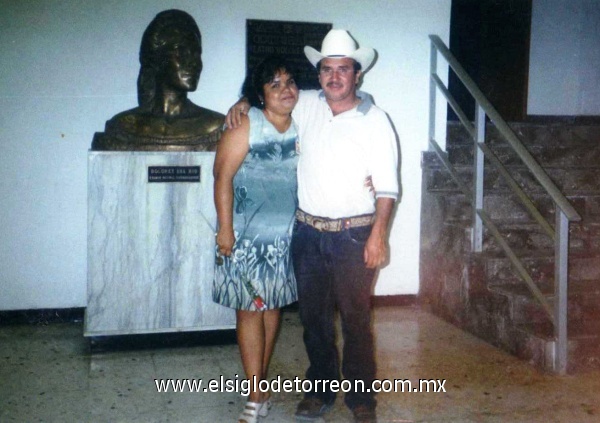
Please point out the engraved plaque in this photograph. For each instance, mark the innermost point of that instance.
(286, 39)
(173, 173)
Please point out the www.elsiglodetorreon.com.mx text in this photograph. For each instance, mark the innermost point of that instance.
(280, 384)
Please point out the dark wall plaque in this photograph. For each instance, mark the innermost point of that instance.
(173, 173)
(287, 39)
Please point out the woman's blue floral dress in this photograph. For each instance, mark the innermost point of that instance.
(258, 275)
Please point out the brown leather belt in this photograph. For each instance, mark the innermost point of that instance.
(325, 224)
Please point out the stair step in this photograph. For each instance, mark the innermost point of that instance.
(584, 268)
(583, 304)
(536, 340)
(498, 206)
(515, 222)
(557, 156)
(523, 308)
(544, 135)
(575, 331)
(571, 181)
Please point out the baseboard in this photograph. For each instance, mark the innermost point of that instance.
(393, 300)
(76, 315)
(377, 301)
(41, 316)
(152, 341)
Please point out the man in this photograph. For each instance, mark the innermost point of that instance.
(341, 232)
(340, 237)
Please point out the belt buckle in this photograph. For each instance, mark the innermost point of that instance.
(318, 224)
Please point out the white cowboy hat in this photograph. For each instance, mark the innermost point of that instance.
(338, 43)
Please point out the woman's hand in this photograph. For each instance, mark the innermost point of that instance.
(369, 184)
(225, 241)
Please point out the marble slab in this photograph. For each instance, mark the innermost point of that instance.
(150, 246)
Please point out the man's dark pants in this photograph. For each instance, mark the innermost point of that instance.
(330, 272)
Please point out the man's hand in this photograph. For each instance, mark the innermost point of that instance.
(376, 250)
(234, 115)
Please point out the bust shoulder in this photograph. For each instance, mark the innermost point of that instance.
(198, 129)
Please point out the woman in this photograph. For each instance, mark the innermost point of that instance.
(255, 198)
(171, 63)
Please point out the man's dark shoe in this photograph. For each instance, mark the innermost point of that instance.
(311, 409)
(364, 414)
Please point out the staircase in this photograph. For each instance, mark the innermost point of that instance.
(480, 292)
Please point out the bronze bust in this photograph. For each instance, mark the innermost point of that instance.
(165, 120)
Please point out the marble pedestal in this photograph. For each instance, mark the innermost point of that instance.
(150, 246)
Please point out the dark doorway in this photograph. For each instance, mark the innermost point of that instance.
(490, 38)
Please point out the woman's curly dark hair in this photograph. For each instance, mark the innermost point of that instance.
(262, 74)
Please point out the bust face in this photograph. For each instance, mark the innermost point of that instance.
(183, 62)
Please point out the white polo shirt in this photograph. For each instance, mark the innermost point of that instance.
(338, 152)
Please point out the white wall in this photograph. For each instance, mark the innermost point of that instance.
(66, 66)
(564, 68)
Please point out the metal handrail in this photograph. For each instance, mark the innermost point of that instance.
(564, 210)
(506, 131)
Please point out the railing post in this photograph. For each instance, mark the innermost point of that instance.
(477, 232)
(561, 261)
(432, 90)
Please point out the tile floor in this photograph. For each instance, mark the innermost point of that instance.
(48, 374)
